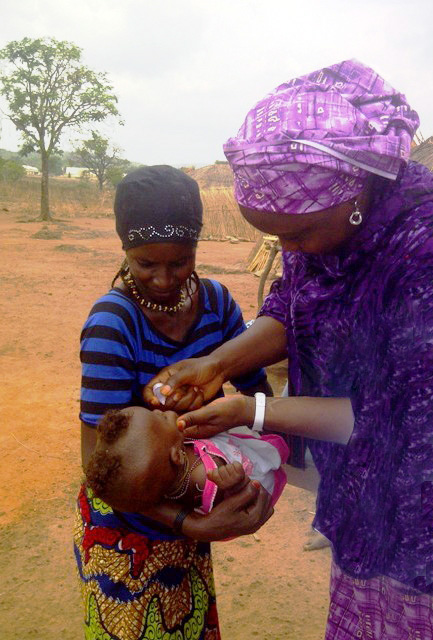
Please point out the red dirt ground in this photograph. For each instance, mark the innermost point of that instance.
(267, 586)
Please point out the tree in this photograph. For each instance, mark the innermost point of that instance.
(48, 89)
(100, 158)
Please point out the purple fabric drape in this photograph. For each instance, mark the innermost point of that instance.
(311, 143)
(360, 325)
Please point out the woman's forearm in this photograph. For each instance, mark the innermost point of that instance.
(328, 419)
(318, 418)
(264, 343)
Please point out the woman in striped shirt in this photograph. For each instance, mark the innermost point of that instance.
(140, 576)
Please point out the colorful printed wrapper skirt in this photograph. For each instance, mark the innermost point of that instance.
(141, 586)
(377, 609)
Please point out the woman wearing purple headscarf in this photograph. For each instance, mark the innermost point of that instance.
(322, 162)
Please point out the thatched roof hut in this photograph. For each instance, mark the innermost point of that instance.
(423, 153)
(213, 175)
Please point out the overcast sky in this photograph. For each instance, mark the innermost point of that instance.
(187, 71)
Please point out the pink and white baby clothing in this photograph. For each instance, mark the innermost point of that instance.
(261, 457)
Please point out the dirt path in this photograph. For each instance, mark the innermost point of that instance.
(267, 586)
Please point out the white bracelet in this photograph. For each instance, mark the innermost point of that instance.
(259, 417)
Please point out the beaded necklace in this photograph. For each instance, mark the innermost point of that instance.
(129, 281)
(183, 485)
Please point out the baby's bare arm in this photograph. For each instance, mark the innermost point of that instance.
(229, 478)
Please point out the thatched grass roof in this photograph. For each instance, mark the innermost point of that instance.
(423, 153)
(214, 175)
(220, 175)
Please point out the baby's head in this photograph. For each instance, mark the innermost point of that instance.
(137, 458)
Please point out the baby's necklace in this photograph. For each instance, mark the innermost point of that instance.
(181, 490)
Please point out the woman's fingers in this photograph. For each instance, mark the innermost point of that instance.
(198, 401)
(171, 378)
(203, 423)
(202, 431)
(218, 416)
(260, 510)
(242, 513)
(246, 498)
(182, 399)
(253, 506)
(189, 373)
(148, 392)
(196, 372)
(185, 399)
(214, 413)
(194, 418)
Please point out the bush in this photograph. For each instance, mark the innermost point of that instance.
(114, 175)
(11, 171)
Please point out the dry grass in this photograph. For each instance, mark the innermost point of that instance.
(68, 197)
(71, 198)
(222, 217)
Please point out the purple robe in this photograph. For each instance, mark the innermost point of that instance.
(360, 325)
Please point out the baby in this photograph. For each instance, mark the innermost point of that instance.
(142, 458)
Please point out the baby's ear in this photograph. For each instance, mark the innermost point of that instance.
(177, 456)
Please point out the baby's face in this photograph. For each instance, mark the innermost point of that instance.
(151, 438)
(161, 424)
(151, 449)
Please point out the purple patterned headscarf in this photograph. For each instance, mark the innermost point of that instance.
(312, 142)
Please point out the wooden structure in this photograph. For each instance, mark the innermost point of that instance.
(262, 262)
(423, 153)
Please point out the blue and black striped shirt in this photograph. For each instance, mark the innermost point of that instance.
(121, 350)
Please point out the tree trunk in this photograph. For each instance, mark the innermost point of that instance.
(100, 182)
(45, 204)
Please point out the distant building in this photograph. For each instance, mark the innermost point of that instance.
(30, 171)
(79, 172)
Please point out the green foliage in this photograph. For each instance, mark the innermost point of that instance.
(55, 161)
(55, 165)
(11, 155)
(114, 175)
(48, 89)
(11, 171)
(33, 159)
(101, 159)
